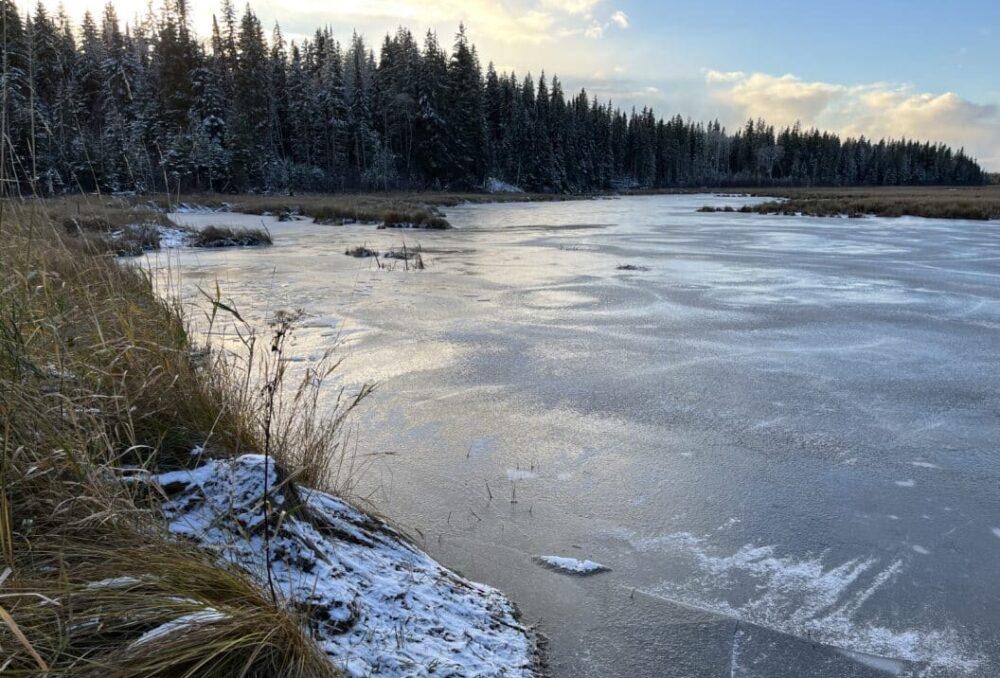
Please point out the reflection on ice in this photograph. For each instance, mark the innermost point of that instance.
(807, 598)
(768, 380)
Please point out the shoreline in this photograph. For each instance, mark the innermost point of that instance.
(427, 210)
(120, 435)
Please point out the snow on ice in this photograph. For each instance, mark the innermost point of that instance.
(572, 565)
(171, 238)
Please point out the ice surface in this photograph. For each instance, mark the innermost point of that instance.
(808, 598)
(882, 664)
(784, 370)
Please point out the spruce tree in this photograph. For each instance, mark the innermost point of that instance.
(467, 133)
(147, 107)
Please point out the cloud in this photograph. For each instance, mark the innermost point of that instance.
(572, 6)
(720, 76)
(875, 110)
(596, 30)
(782, 99)
(620, 19)
(506, 21)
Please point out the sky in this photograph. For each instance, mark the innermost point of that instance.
(922, 69)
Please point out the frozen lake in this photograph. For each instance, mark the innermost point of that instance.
(781, 434)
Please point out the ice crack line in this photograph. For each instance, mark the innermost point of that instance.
(732, 653)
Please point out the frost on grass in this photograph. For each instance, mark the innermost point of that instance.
(182, 623)
(195, 208)
(115, 583)
(571, 565)
(376, 604)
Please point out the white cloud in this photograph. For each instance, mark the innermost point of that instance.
(508, 21)
(572, 6)
(874, 110)
(724, 76)
(780, 99)
(596, 30)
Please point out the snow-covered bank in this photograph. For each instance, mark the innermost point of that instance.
(377, 604)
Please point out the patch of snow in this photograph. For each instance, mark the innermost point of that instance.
(172, 238)
(55, 372)
(906, 483)
(924, 464)
(520, 474)
(377, 604)
(494, 185)
(996, 532)
(194, 208)
(572, 565)
(205, 616)
(920, 549)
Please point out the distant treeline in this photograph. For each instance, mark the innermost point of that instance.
(149, 106)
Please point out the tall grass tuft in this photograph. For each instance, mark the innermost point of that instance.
(224, 236)
(100, 387)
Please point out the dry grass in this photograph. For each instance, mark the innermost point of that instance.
(100, 386)
(361, 251)
(98, 214)
(103, 224)
(224, 236)
(937, 202)
(389, 209)
(418, 218)
(408, 257)
(92, 618)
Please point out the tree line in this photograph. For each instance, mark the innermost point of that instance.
(149, 106)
